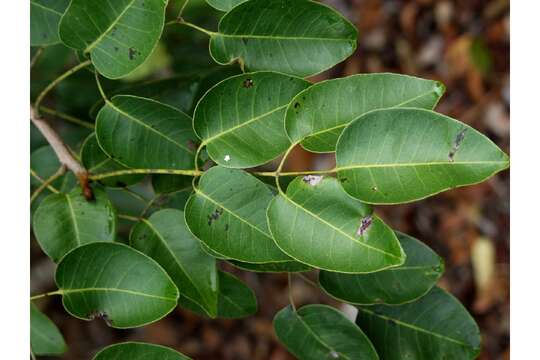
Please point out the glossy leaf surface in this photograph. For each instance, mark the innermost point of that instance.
(143, 133)
(397, 285)
(318, 224)
(65, 221)
(321, 332)
(138, 350)
(165, 238)
(401, 155)
(285, 266)
(228, 213)
(296, 37)
(44, 19)
(240, 120)
(119, 35)
(224, 5)
(236, 300)
(45, 338)
(116, 283)
(319, 114)
(436, 326)
(96, 161)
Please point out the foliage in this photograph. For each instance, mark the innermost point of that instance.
(200, 135)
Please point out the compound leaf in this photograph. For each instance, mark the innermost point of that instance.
(143, 133)
(119, 35)
(227, 212)
(45, 338)
(321, 332)
(138, 350)
(96, 161)
(114, 282)
(401, 155)
(318, 224)
(296, 37)
(436, 326)
(63, 222)
(398, 285)
(318, 115)
(44, 19)
(235, 300)
(165, 238)
(240, 120)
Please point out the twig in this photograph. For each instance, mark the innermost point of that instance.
(36, 56)
(61, 171)
(62, 152)
(191, 25)
(66, 117)
(39, 296)
(128, 217)
(49, 186)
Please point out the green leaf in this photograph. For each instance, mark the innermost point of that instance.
(279, 267)
(402, 284)
(321, 332)
(166, 184)
(165, 238)
(224, 5)
(318, 115)
(97, 162)
(44, 18)
(45, 338)
(228, 213)
(240, 120)
(138, 350)
(143, 133)
(436, 326)
(236, 300)
(65, 221)
(318, 224)
(401, 155)
(114, 282)
(296, 37)
(118, 35)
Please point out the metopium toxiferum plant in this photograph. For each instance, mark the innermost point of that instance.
(200, 138)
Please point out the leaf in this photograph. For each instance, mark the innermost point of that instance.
(114, 282)
(97, 162)
(240, 120)
(44, 18)
(63, 222)
(405, 283)
(319, 114)
(318, 224)
(45, 338)
(436, 326)
(321, 332)
(227, 213)
(401, 155)
(224, 5)
(165, 238)
(118, 35)
(285, 266)
(143, 133)
(236, 300)
(138, 350)
(166, 184)
(296, 37)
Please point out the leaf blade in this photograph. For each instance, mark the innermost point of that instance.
(45, 338)
(132, 350)
(44, 19)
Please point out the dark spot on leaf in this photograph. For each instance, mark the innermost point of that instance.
(214, 216)
(458, 140)
(312, 179)
(226, 227)
(192, 145)
(365, 223)
(247, 83)
(100, 315)
(116, 48)
(131, 53)
(375, 188)
(44, 35)
(296, 105)
(344, 180)
(121, 184)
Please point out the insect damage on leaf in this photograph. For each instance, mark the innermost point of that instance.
(247, 83)
(312, 179)
(101, 315)
(214, 216)
(457, 143)
(365, 223)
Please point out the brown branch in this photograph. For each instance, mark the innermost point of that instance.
(62, 152)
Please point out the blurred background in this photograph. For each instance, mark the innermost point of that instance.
(463, 43)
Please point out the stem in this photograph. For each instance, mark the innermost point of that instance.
(36, 56)
(308, 280)
(149, 205)
(128, 217)
(277, 173)
(58, 80)
(291, 300)
(296, 173)
(62, 152)
(182, 9)
(61, 171)
(100, 88)
(49, 186)
(191, 25)
(39, 296)
(66, 117)
(145, 171)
